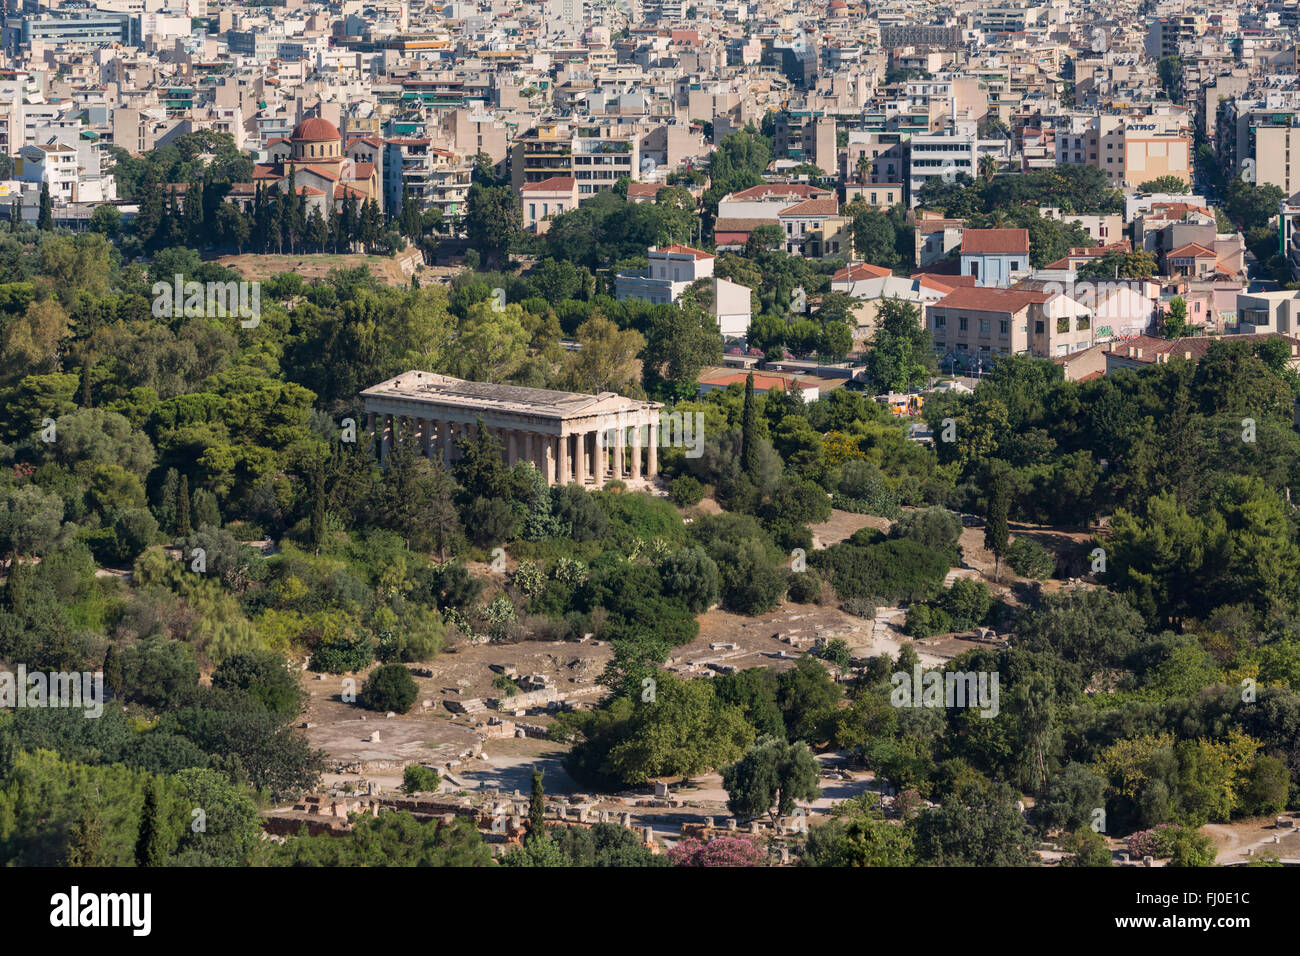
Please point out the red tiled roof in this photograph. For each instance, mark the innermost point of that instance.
(762, 382)
(742, 225)
(779, 190)
(1192, 251)
(1196, 345)
(679, 250)
(556, 184)
(991, 300)
(650, 190)
(995, 241)
(812, 208)
(861, 271)
(937, 279)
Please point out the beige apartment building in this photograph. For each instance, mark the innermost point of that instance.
(1274, 148)
(973, 323)
(1130, 150)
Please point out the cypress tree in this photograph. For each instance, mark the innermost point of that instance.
(45, 218)
(150, 848)
(113, 671)
(536, 807)
(183, 506)
(996, 530)
(749, 433)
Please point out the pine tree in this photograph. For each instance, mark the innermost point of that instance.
(183, 506)
(113, 670)
(537, 807)
(996, 530)
(86, 839)
(749, 433)
(150, 845)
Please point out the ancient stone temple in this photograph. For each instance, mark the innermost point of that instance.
(569, 437)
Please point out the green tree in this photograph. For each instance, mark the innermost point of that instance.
(536, 807)
(45, 218)
(902, 349)
(151, 844)
(390, 687)
(771, 776)
(996, 529)
(749, 432)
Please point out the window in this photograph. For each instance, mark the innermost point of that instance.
(962, 323)
(1038, 327)
(985, 326)
(940, 321)
(1015, 265)
(1004, 327)
(532, 210)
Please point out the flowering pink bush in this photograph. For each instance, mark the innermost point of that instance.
(1153, 842)
(720, 851)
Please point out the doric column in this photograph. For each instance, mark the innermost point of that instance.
(652, 447)
(386, 438)
(527, 439)
(566, 461)
(512, 447)
(551, 449)
(636, 451)
(444, 439)
(430, 437)
(599, 464)
(370, 429)
(619, 442)
(580, 458)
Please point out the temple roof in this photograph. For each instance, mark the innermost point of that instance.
(459, 393)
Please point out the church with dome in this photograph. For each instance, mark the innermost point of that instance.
(326, 171)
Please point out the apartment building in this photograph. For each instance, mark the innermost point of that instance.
(972, 325)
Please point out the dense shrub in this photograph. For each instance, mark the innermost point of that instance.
(1029, 559)
(685, 491)
(805, 588)
(390, 687)
(417, 778)
(896, 570)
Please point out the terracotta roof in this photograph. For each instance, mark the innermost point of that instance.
(762, 382)
(679, 250)
(812, 207)
(861, 271)
(937, 279)
(779, 190)
(1192, 251)
(741, 225)
(991, 300)
(995, 241)
(315, 130)
(556, 184)
(650, 190)
(1196, 345)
